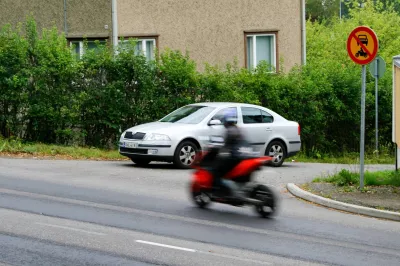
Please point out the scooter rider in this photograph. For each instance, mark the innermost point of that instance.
(233, 144)
(233, 140)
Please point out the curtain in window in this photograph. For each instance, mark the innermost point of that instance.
(250, 54)
(264, 48)
(149, 50)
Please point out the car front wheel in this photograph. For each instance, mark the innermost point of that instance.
(185, 154)
(277, 150)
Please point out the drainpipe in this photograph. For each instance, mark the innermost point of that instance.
(65, 18)
(303, 31)
(114, 23)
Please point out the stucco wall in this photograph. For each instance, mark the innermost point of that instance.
(89, 17)
(213, 30)
(46, 15)
(84, 17)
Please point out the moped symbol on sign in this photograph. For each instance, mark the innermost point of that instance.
(362, 45)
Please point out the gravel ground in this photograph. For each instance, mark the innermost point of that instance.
(382, 197)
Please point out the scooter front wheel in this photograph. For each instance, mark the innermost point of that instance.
(269, 199)
(201, 199)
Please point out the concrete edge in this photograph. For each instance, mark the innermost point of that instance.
(298, 192)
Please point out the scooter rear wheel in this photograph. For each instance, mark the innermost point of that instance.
(267, 195)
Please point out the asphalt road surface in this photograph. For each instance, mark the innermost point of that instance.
(55, 212)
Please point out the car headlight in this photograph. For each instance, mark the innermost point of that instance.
(154, 136)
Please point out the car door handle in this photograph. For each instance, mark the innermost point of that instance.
(268, 129)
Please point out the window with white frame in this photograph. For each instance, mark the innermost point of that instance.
(261, 47)
(145, 47)
(79, 48)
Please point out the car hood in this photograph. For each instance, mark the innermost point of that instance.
(160, 127)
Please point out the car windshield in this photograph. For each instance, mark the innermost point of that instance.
(191, 114)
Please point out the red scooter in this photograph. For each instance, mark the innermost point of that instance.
(237, 182)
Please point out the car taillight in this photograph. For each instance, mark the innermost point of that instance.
(298, 129)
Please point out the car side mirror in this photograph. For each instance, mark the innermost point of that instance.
(215, 122)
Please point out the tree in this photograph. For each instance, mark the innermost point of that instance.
(325, 10)
(318, 10)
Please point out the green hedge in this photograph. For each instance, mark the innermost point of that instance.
(48, 95)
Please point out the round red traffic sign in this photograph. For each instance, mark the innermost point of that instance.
(362, 45)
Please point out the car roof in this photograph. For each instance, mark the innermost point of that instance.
(222, 104)
(236, 104)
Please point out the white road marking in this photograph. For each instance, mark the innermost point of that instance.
(72, 229)
(203, 252)
(165, 246)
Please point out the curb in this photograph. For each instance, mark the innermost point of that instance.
(298, 192)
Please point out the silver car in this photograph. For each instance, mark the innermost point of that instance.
(179, 135)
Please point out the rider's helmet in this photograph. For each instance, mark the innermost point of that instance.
(230, 117)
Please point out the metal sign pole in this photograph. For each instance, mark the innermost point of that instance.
(377, 69)
(396, 151)
(362, 130)
(362, 47)
(376, 104)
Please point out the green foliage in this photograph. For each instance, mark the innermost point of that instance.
(326, 10)
(17, 146)
(385, 178)
(51, 96)
(337, 78)
(116, 93)
(13, 80)
(318, 10)
(343, 178)
(385, 156)
(347, 178)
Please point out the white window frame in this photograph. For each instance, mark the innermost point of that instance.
(254, 59)
(81, 47)
(144, 42)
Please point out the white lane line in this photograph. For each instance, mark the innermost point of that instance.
(72, 229)
(165, 246)
(203, 252)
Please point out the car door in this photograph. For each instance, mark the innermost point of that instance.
(256, 126)
(219, 130)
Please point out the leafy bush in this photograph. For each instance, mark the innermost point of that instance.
(343, 178)
(50, 96)
(391, 178)
(347, 178)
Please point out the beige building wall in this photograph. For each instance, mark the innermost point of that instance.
(90, 18)
(213, 30)
(84, 17)
(46, 13)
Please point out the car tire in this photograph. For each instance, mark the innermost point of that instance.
(277, 150)
(140, 162)
(185, 154)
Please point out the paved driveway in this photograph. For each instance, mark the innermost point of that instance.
(99, 212)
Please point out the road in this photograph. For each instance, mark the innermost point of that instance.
(55, 212)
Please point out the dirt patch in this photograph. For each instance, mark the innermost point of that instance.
(382, 197)
(54, 157)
